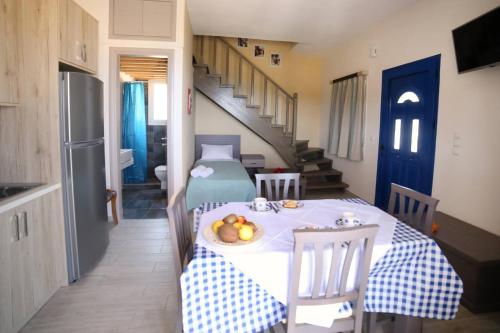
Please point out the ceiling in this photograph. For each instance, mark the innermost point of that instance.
(320, 23)
(144, 68)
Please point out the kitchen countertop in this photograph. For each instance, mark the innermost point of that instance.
(27, 196)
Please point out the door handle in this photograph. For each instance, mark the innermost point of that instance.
(24, 222)
(85, 53)
(15, 228)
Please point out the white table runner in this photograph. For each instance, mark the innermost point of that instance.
(268, 263)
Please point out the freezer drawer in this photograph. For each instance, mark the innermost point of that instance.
(81, 107)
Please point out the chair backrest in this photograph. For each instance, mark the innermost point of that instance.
(412, 207)
(344, 242)
(280, 180)
(180, 231)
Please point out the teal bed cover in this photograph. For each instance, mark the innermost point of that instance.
(229, 183)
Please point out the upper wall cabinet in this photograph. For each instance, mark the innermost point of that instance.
(143, 19)
(8, 53)
(78, 36)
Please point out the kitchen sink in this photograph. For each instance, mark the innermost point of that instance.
(8, 190)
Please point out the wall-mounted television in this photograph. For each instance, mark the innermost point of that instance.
(477, 43)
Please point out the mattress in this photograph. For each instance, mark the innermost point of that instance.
(229, 183)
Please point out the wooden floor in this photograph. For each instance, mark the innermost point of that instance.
(133, 290)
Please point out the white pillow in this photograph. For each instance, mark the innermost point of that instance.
(216, 152)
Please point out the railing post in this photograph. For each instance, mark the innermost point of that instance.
(264, 110)
(202, 56)
(287, 103)
(295, 107)
(240, 73)
(214, 61)
(227, 64)
(276, 96)
(252, 80)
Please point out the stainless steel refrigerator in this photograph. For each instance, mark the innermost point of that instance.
(83, 169)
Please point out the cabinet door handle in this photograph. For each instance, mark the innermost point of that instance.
(85, 53)
(15, 228)
(24, 217)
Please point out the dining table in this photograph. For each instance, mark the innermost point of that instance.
(244, 289)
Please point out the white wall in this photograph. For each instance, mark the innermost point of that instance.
(468, 185)
(211, 119)
(187, 119)
(182, 79)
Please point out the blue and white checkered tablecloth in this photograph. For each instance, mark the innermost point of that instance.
(414, 278)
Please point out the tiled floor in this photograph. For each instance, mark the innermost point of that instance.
(145, 203)
(133, 290)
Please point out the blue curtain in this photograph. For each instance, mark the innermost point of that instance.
(134, 131)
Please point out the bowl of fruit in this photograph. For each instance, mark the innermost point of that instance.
(233, 231)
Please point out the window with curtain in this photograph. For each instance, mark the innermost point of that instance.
(347, 118)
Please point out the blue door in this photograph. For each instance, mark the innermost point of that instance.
(408, 123)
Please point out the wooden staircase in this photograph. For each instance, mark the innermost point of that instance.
(231, 81)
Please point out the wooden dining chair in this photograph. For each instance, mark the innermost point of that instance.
(181, 239)
(279, 180)
(413, 208)
(336, 277)
(180, 231)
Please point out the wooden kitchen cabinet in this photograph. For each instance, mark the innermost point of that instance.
(5, 273)
(33, 259)
(143, 19)
(9, 66)
(78, 36)
(21, 252)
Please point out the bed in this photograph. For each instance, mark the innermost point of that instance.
(229, 182)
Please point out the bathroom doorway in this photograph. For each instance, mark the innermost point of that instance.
(143, 132)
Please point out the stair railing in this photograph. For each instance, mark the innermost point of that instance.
(205, 53)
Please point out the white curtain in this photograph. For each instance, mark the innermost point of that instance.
(347, 118)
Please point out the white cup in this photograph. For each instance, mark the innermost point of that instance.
(348, 218)
(260, 204)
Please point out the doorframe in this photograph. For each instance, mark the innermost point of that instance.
(115, 105)
(430, 63)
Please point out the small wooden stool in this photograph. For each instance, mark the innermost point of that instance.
(111, 196)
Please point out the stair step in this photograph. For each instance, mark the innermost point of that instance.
(214, 75)
(200, 66)
(301, 142)
(265, 116)
(227, 85)
(310, 151)
(277, 125)
(300, 145)
(319, 173)
(253, 106)
(317, 162)
(327, 185)
(240, 96)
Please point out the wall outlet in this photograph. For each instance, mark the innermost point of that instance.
(373, 51)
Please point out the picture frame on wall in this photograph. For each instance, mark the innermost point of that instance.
(275, 59)
(242, 42)
(259, 51)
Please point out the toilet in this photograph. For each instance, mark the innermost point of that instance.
(161, 174)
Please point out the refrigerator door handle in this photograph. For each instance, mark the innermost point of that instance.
(87, 144)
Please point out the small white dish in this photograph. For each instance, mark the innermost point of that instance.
(341, 223)
(268, 208)
(299, 204)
